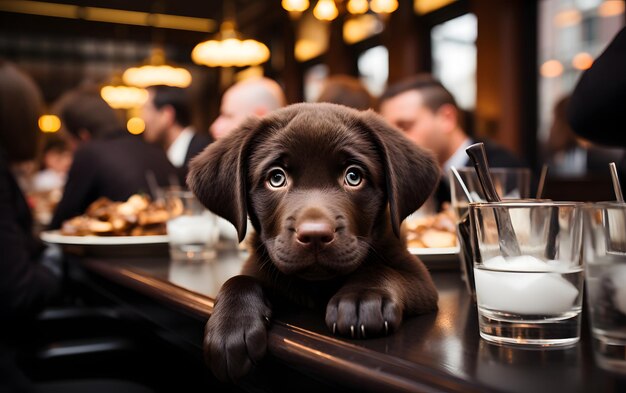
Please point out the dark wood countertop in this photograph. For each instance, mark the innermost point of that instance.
(436, 352)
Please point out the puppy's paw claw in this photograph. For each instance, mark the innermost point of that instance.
(363, 315)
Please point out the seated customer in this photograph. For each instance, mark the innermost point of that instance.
(571, 155)
(249, 97)
(27, 284)
(428, 115)
(596, 109)
(168, 123)
(346, 90)
(109, 162)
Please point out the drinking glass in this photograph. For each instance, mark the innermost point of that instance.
(192, 229)
(604, 256)
(510, 183)
(529, 293)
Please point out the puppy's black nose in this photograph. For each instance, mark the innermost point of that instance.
(314, 233)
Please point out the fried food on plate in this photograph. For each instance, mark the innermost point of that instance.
(138, 216)
(437, 231)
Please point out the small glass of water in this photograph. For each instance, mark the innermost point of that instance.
(192, 229)
(529, 283)
(510, 183)
(605, 264)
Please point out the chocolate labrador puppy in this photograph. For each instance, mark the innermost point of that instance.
(326, 188)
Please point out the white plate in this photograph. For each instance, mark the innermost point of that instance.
(55, 237)
(446, 258)
(434, 251)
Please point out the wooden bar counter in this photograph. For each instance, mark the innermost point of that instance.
(436, 352)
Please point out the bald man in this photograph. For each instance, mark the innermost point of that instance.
(250, 97)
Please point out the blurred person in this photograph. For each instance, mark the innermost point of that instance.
(250, 97)
(346, 90)
(47, 184)
(109, 162)
(168, 123)
(596, 109)
(56, 159)
(570, 155)
(427, 113)
(25, 286)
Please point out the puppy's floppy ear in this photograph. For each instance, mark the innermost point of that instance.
(411, 172)
(218, 175)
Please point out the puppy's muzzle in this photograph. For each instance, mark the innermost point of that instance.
(314, 234)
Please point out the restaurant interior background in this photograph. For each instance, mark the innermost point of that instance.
(507, 62)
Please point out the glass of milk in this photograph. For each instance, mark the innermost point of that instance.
(529, 295)
(192, 229)
(510, 183)
(605, 265)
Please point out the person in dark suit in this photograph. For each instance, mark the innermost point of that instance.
(168, 124)
(427, 113)
(596, 110)
(26, 286)
(109, 162)
(28, 281)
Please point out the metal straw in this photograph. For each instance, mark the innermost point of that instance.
(616, 187)
(542, 181)
(462, 183)
(506, 233)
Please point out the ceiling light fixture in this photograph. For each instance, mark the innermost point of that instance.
(157, 72)
(384, 6)
(357, 7)
(228, 50)
(295, 5)
(325, 10)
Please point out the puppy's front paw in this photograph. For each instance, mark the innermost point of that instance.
(363, 314)
(236, 333)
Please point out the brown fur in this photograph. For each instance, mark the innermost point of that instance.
(319, 240)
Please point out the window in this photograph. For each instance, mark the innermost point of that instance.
(314, 79)
(454, 57)
(374, 69)
(572, 33)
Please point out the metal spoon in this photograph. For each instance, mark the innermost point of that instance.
(506, 233)
(616, 187)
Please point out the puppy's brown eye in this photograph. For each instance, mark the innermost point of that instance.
(277, 178)
(353, 176)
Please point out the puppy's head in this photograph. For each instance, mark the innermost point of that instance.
(316, 181)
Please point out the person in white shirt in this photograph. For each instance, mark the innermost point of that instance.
(427, 113)
(250, 97)
(168, 123)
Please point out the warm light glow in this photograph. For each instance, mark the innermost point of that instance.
(307, 49)
(135, 125)
(295, 5)
(325, 10)
(361, 27)
(123, 97)
(150, 75)
(611, 8)
(384, 6)
(157, 72)
(582, 61)
(228, 50)
(422, 7)
(567, 18)
(108, 15)
(49, 123)
(551, 69)
(249, 73)
(357, 6)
